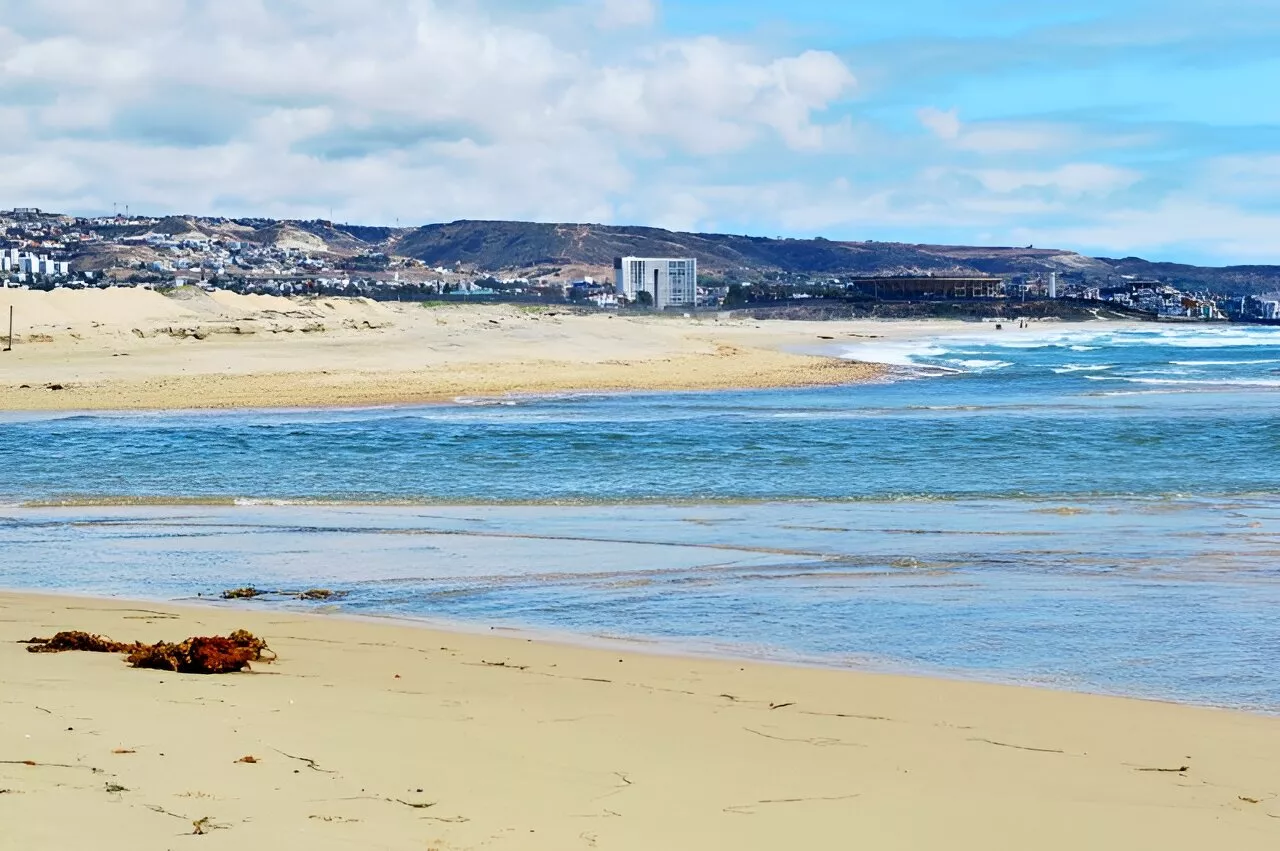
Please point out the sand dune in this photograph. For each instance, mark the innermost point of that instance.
(376, 735)
(129, 348)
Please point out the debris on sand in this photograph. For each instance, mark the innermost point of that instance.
(246, 593)
(321, 594)
(197, 655)
(204, 825)
(76, 640)
(203, 654)
(250, 592)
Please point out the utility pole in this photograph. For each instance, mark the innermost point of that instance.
(9, 347)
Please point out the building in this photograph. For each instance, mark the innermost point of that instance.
(12, 260)
(669, 282)
(913, 288)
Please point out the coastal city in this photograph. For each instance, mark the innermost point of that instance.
(45, 251)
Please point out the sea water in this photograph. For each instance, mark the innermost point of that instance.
(1080, 508)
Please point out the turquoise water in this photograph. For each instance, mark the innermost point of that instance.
(1074, 508)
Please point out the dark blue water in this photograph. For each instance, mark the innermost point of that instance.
(1081, 509)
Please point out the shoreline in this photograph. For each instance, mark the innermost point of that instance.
(658, 647)
(511, 742)
(120, 350)
(744, 370)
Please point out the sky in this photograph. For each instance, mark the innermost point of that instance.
(1126, 127)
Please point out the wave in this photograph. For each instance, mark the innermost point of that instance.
(322, 504)
(982, 365)
(1080, 367)
(894, 354)
(486, 403)
(1256, 361)
(1192, 382)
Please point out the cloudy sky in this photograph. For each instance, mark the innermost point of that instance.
(1115, 127)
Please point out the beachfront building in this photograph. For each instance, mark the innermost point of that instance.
(670, 282)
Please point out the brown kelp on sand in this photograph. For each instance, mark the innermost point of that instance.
(250, 592)
(195, 655)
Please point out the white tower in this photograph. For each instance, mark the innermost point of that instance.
(1053, 285)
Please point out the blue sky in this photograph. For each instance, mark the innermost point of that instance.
(1116, 128)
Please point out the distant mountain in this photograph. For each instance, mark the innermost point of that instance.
(515, 245)
(1232, 280)
(499, 245)
(496, 246)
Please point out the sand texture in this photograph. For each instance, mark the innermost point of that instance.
(137, 349)
(378, 735)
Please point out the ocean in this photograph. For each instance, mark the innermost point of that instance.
(1070, 507)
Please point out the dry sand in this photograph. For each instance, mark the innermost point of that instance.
(519, 744)
(137, 349)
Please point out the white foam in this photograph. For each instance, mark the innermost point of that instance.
(982, 365)
(1224, 362)
(486, 403)
(1080, 367)
(1193, 382)
(894, 354)
(919, 353)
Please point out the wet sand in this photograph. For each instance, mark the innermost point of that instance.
(372, 734)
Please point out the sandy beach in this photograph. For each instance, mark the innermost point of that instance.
(136, 349)
(385, 735)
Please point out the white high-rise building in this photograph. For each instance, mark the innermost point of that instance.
(12, 260)
(668, 281)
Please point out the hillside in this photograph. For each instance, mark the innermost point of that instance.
(496, 246)
(516, 245)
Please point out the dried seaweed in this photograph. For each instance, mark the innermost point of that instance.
(321, 594)
(75, 640)
(246, 593)
(197, 655)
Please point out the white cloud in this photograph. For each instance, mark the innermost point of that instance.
(424, 109)
(1007, 137)
(1179, 223)
(1244, 176)
(1070, 179)
(1002, 138)
(943, 124)
(620, 14)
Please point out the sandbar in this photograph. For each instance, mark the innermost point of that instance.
(133, 349)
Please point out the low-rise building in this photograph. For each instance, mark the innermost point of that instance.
(926, 287)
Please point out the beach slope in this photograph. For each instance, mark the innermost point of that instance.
(379, 735)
